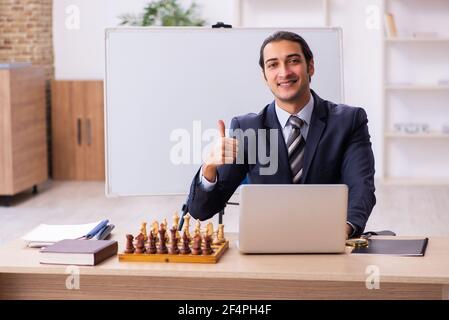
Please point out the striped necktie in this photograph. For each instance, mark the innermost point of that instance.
(295, 146)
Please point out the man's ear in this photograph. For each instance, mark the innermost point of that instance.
(311, 68)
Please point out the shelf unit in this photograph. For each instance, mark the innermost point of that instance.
(417, 87)
(417, 40)
(404, 43)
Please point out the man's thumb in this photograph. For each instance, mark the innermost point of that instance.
(221, 128)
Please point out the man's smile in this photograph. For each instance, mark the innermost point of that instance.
(287, 83)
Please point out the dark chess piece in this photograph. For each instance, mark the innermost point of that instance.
(152, 244)
(129, 244)
(162, 248)
(173, 249)
(207, 247)
(196, 249)
(185, 249)
(140, 245)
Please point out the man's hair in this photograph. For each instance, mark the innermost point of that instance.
(289, 36)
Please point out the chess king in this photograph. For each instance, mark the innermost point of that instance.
(318, 141)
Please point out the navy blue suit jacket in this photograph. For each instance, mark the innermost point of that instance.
(338, 151)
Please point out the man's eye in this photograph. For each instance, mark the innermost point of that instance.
(271, 65)
(294, 61)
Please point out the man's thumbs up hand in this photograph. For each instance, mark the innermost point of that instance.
(223, 152)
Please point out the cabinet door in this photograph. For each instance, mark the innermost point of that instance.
(78, 130)
(66, 131)
(93, 131)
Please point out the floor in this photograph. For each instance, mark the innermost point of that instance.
(406, 210)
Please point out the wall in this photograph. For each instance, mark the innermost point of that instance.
(79, 43)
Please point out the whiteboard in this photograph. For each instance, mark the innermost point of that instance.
(165, 87)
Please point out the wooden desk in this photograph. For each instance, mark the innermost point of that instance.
(236, 276)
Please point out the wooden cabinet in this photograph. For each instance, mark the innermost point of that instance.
(77, 130)
(23, 143)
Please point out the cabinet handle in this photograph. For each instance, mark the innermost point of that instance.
(89, 132)
(78, 131)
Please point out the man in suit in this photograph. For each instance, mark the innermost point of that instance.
(318, 141)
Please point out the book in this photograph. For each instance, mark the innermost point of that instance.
(78, 252)
(390, 26)
(400, 247)
(46, 234)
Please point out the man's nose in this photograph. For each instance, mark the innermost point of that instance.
(284, 70)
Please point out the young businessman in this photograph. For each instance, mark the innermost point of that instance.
(319, 142)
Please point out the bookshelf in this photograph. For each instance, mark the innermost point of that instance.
(413, 92)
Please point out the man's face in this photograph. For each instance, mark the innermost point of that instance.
(286, 71)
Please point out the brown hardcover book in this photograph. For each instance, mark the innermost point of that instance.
(78, 252)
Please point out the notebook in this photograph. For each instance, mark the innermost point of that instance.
(78, 252)
(400, 247)
(47, 234)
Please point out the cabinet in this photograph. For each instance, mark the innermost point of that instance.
(23, 143)
(77, 130)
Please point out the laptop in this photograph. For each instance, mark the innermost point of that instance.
(291, 218)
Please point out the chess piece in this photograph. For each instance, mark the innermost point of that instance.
(186, 228)
(207, 248)
(167, 238)
(143, 230)
(162, 248)
(197, 228)
(176, 224)
(210, 229)
(152, 243)
(155, 229)
(173, 249)
(185, 249)
(140, 246)
(176, 220)
(187, 220)
(196, 249)
(129, 244)
(220, 235)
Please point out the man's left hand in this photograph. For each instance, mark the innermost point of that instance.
(349, 230)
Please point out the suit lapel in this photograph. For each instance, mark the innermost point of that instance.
(317, 125)
(283, 174)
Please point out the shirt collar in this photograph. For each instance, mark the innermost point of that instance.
(305, 114)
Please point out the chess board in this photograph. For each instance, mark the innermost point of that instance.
(218, 251)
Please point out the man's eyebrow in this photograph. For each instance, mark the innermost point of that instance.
(288, 56)
(272, 59)
(294, 55)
